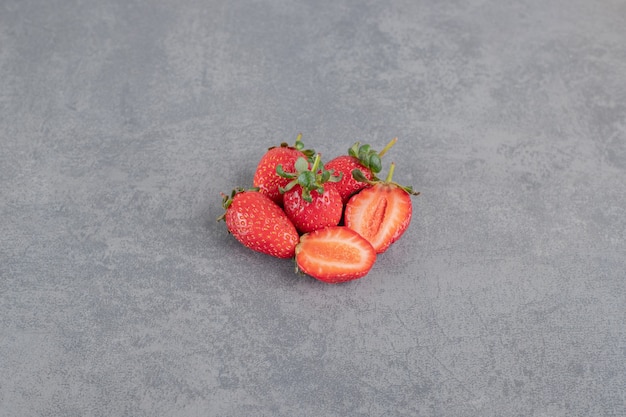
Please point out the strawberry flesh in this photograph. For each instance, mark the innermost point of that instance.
(335, 254)
(381, 214)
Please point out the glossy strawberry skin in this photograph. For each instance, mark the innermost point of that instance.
(261, 225)
(324, 210)
(348, 186)
(265, 176)
(334, 255)
(381, 214)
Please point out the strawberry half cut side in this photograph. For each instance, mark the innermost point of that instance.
(335, 254)
(380, 213)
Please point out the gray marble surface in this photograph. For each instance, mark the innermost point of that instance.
(122, 121)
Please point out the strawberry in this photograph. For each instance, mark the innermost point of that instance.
(360, 157)
(324, 209)
(334, 254)
(308, 201)
(380, 213)
(265, 177)
(259, 223)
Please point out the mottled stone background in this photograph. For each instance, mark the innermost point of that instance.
(122, 121)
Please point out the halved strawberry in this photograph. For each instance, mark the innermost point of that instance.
(381, 213)
(335, 254)
(259, 223)
(361, 157)
(265, 177)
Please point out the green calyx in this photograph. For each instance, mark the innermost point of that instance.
(308, 179)
(358, 175)
(299, 145)
(368, 157)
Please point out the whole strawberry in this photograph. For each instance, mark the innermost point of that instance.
(380, 213)
(309, 202)
(361, 157)
(265, 177)
(259, 223)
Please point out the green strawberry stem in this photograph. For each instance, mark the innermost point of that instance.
(392, 168)
(387, 147)
(358, 175)
(406, 188)
(316, 162)
(299, 145)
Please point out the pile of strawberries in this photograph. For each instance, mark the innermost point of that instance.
(334, 218)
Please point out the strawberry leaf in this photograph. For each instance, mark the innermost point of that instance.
(374, 163)
(281, 172)
(368, 157)
(301, 165)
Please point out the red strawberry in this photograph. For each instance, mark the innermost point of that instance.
(381, 213)
(335, 254)
(259, 223)
(308, 201)
(323, 210)
(360, 157)
(265, 176)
